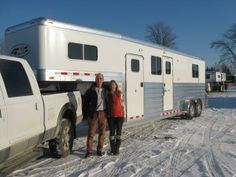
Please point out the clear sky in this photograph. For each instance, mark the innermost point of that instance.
(195, 22)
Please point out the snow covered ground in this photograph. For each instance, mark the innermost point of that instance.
(204, 146)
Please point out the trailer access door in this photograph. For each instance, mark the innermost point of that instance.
(134, 87)
(167, 84)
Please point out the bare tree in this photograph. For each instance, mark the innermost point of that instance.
(162, 34)
(227, 46)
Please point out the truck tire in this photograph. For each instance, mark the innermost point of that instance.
(61, 146)
(198, 108)
(191, 110)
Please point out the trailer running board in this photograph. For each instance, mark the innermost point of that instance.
(171, 112)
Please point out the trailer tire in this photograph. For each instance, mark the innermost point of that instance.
(61, 146)
(198, 108)
(191, 110)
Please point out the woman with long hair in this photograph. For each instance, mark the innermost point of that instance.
(116, 116)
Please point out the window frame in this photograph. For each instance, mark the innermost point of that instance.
(131, 65)
(169, 71)
(195, 71)
(84, 55)
(158, 68)
(84, 52)
(21, 79)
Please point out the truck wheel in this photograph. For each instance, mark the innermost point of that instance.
(191, 110)
(62, 145)
(198, 108)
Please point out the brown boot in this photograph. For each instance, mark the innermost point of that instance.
(88, 154)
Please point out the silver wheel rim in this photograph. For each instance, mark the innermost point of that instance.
(198, 108)
(66, 138)
(191, 110)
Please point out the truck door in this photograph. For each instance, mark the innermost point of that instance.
(167, 84)
(24, 121)
(3, 122)
(134, 87)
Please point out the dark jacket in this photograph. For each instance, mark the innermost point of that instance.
(90, 101)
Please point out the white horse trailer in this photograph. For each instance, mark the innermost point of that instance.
(215, 81)
(157, 82)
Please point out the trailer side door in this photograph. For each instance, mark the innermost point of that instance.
(134, 87)
(167, 83)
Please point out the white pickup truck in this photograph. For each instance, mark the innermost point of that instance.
(29, 118)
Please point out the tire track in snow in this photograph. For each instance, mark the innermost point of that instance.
(30, 166)
(211, 163)
(216, 141)
(141, 150)
(176, 165)
(212, 144)
(202, 152)
(127, 155)
(180, 162)
(178, 154)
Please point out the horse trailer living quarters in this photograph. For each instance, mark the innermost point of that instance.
(157, 82)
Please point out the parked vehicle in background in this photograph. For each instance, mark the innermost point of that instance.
(215, 81)
(29, 118)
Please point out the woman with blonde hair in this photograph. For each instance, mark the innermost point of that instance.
(116, 116)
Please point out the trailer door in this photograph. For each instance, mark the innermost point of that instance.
(134, 87)
(167, 84)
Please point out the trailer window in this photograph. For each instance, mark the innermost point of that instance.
(15, 79)
(90, 52)
(75, 51)
(168, 67)
(134, 65)
(195, 71)
(155, 65)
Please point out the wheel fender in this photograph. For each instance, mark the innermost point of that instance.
(64, 109)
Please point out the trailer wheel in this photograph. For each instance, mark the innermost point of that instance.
(191, 110)
(198, 108)
(61, 146)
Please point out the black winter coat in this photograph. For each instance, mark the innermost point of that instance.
(90, 101)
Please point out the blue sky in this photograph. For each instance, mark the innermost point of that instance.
(195, 22)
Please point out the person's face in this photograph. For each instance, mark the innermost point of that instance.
(113, 86)
(99, 80)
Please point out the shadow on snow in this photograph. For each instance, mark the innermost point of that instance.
(222, 102)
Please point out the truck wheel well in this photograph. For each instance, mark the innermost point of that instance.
(70, 115)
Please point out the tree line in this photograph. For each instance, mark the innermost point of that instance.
(227, 47)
